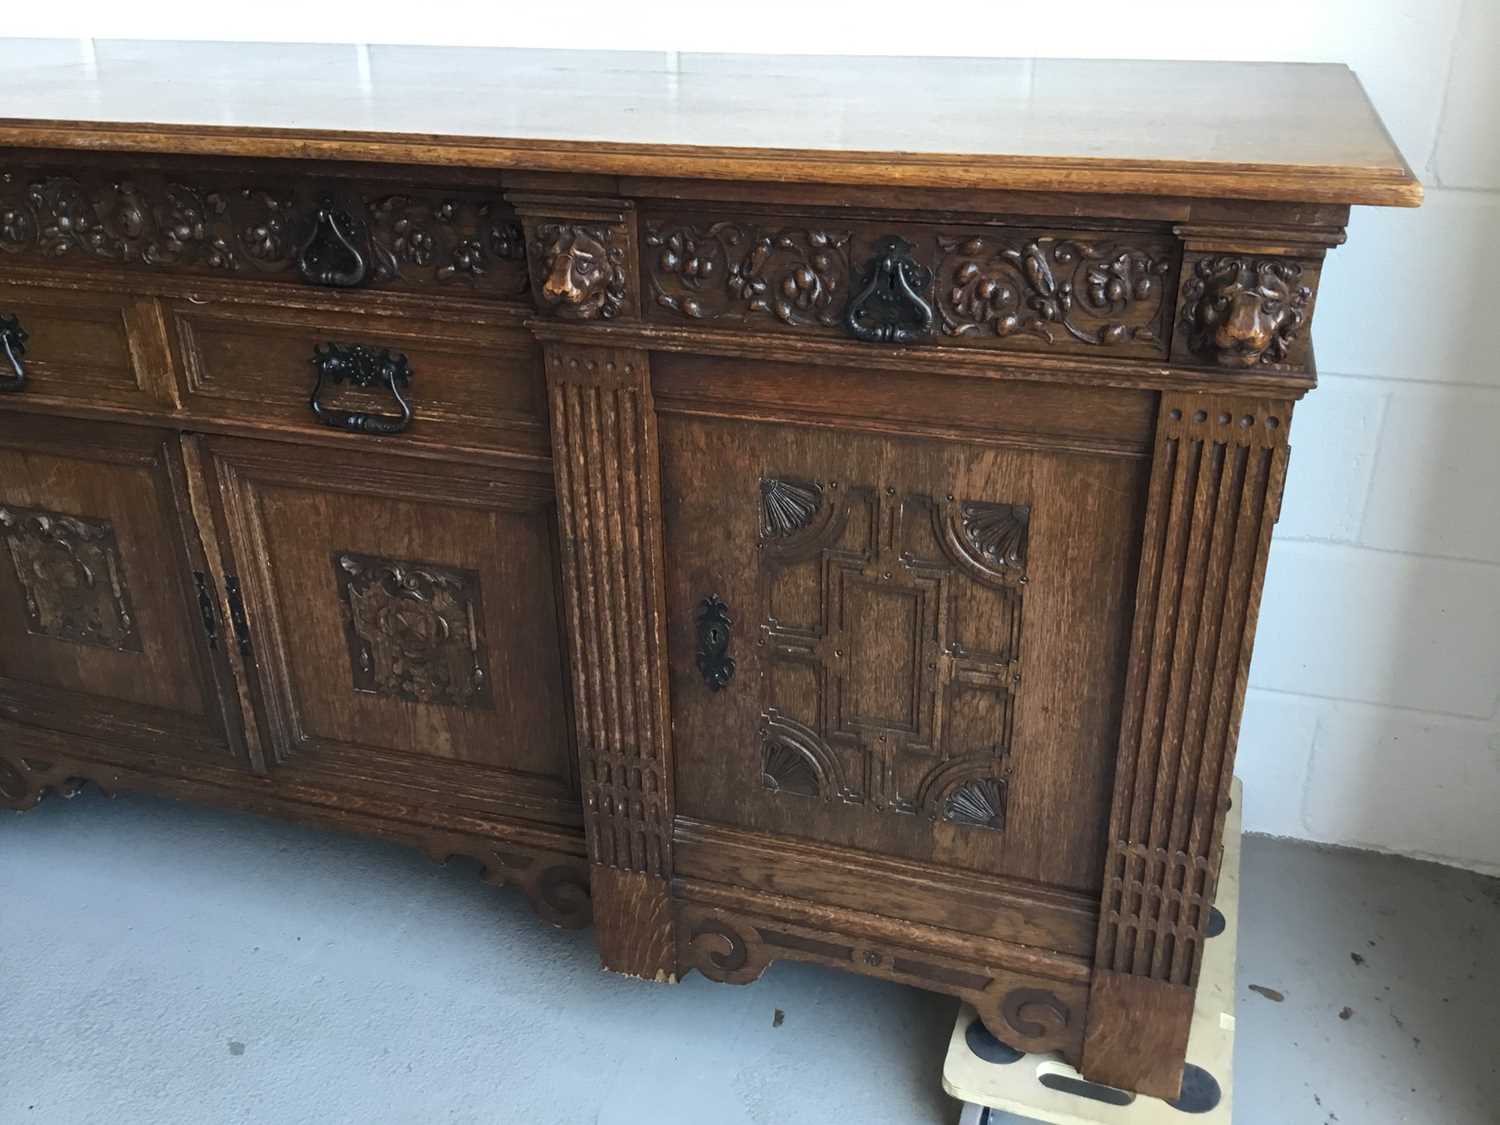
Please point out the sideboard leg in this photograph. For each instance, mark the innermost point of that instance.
(633, 922)
(606, 465)
(1216, 480)
(1137, 1033)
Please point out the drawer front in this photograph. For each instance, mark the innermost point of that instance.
(1045, 289)
(467, 385)
(270, 222)
(83, 347)
(928, 639)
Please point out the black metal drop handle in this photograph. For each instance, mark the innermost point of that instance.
(892, 307)
(13, 344)
(714, 660)
(331, 255)
(362, 367)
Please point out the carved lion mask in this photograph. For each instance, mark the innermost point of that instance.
(578, 272)
(1249, 311)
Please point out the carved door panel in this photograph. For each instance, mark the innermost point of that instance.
(926, 640)
(402, 623)
(108, 626)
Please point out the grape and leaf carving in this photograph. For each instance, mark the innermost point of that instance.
(735, 270)
(160, 222)
(1097, 293)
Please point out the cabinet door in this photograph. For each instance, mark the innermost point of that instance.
(104, 626)
(402, 623)
(927, 637)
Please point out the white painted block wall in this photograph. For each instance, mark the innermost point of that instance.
(1373, 718)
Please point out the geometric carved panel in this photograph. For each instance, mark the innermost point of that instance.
(891, 623)
(415, 630)
(71, 577)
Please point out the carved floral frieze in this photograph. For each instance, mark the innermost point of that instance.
(1099, 293)
(458, 239)
(988, 287)
(741, 271)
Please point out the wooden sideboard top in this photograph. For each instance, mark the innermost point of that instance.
(1272, 131)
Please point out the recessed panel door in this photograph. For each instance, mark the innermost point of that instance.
(402, 623)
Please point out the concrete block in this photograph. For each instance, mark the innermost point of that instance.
(1350, 623)
(1275, 752)
(1468, 154)
(1435, 479)
(1416, 784)
(1334, 436)
(1411, 295)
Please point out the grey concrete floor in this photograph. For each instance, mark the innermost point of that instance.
(161, 964)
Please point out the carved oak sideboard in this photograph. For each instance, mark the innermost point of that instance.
(766, 508)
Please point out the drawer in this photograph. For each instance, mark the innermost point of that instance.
(474, 385)
(1001, 286)
(446, 234)
(85, 347)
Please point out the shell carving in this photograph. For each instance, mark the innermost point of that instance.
(787, 770)
(787, 506)
(996, 532)
(979, 803)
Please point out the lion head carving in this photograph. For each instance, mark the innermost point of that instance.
(1244, 311)
(582, 274)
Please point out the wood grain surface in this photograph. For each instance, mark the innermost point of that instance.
(1248, 130)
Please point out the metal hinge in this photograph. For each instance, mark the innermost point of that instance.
(237, 613)
(206, 608)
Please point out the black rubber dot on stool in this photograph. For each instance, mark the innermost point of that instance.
(1216, 923)
(1200, 1091)
(987, 1047)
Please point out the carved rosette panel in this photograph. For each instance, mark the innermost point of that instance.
(1245, 311)
(71, 578)
(415, 630)
(579, 269)
(795, 276)
(1216, 481)
(457, 239)
(1031, 1013)
(897, 692)
(1098, 293)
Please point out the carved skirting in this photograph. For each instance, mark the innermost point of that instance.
(250, 225)
(25, 779)
(556, 887)
(1029, 1012)
(555, 884)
